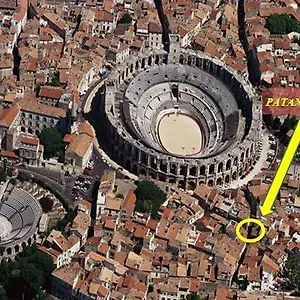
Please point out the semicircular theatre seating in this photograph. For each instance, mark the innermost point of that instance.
(23, 211)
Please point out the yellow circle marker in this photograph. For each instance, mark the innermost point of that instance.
(254, 240)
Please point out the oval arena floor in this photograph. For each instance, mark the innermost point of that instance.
(180, 134)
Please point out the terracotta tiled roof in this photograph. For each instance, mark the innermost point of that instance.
(80, 144)
(30, 140)
(103, 16)
(33, 106)
(9, 154)
(51, 92)
(8, 115)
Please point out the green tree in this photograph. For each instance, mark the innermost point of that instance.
(2, 293)
(52, 141)
(193, 296)
(149, 195)
(282, 24)
(126, 19)
(27, 276)
(69, 217)
(13, 181)
(55, 81)
(292, 271)
(46, 204)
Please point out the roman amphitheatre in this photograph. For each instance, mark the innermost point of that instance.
(183, 118)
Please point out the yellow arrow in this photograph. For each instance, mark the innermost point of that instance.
(266, 208)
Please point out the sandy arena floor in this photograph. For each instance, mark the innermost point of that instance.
(179, 134)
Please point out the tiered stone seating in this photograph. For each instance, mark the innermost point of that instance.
(23, 211)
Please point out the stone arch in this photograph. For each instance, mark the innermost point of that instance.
(210, 182)
(183, 170)
(202, 170)
(131, 68)
(181, 184)
(29, 241)
(162, 178)
(143, 62)
(220, 167)
(172, 181)
(153, 163)
(9, 251)
(136, 65)
(211, 169)
(165, 59)
(30, 130)
(189, 60)
(235, 161)
(17, 248)
(247, 152)
(23, 129)
(242, 157)
(201, 182)
(181, 59)
(219, 181)
(152, 175)
(227, 178)
(197, 62)
(191, 185)
(144, 158)
(228, 164)
(149, 60)
(143, 172)
(173, 169)
(157, 59)
(163, 166)
(193, 171)
(136, 153)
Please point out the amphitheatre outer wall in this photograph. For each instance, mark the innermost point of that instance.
(184, 172)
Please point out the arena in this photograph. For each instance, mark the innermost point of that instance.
(182, 118)
(19, 216)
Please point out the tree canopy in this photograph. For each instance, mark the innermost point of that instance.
(46, 204)
(51, 139)
(55, 81)
(61, 224)
(149, 197)
(292, 271)
(126, 19)
(282, 24)
(26, 276)
(193, 296)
